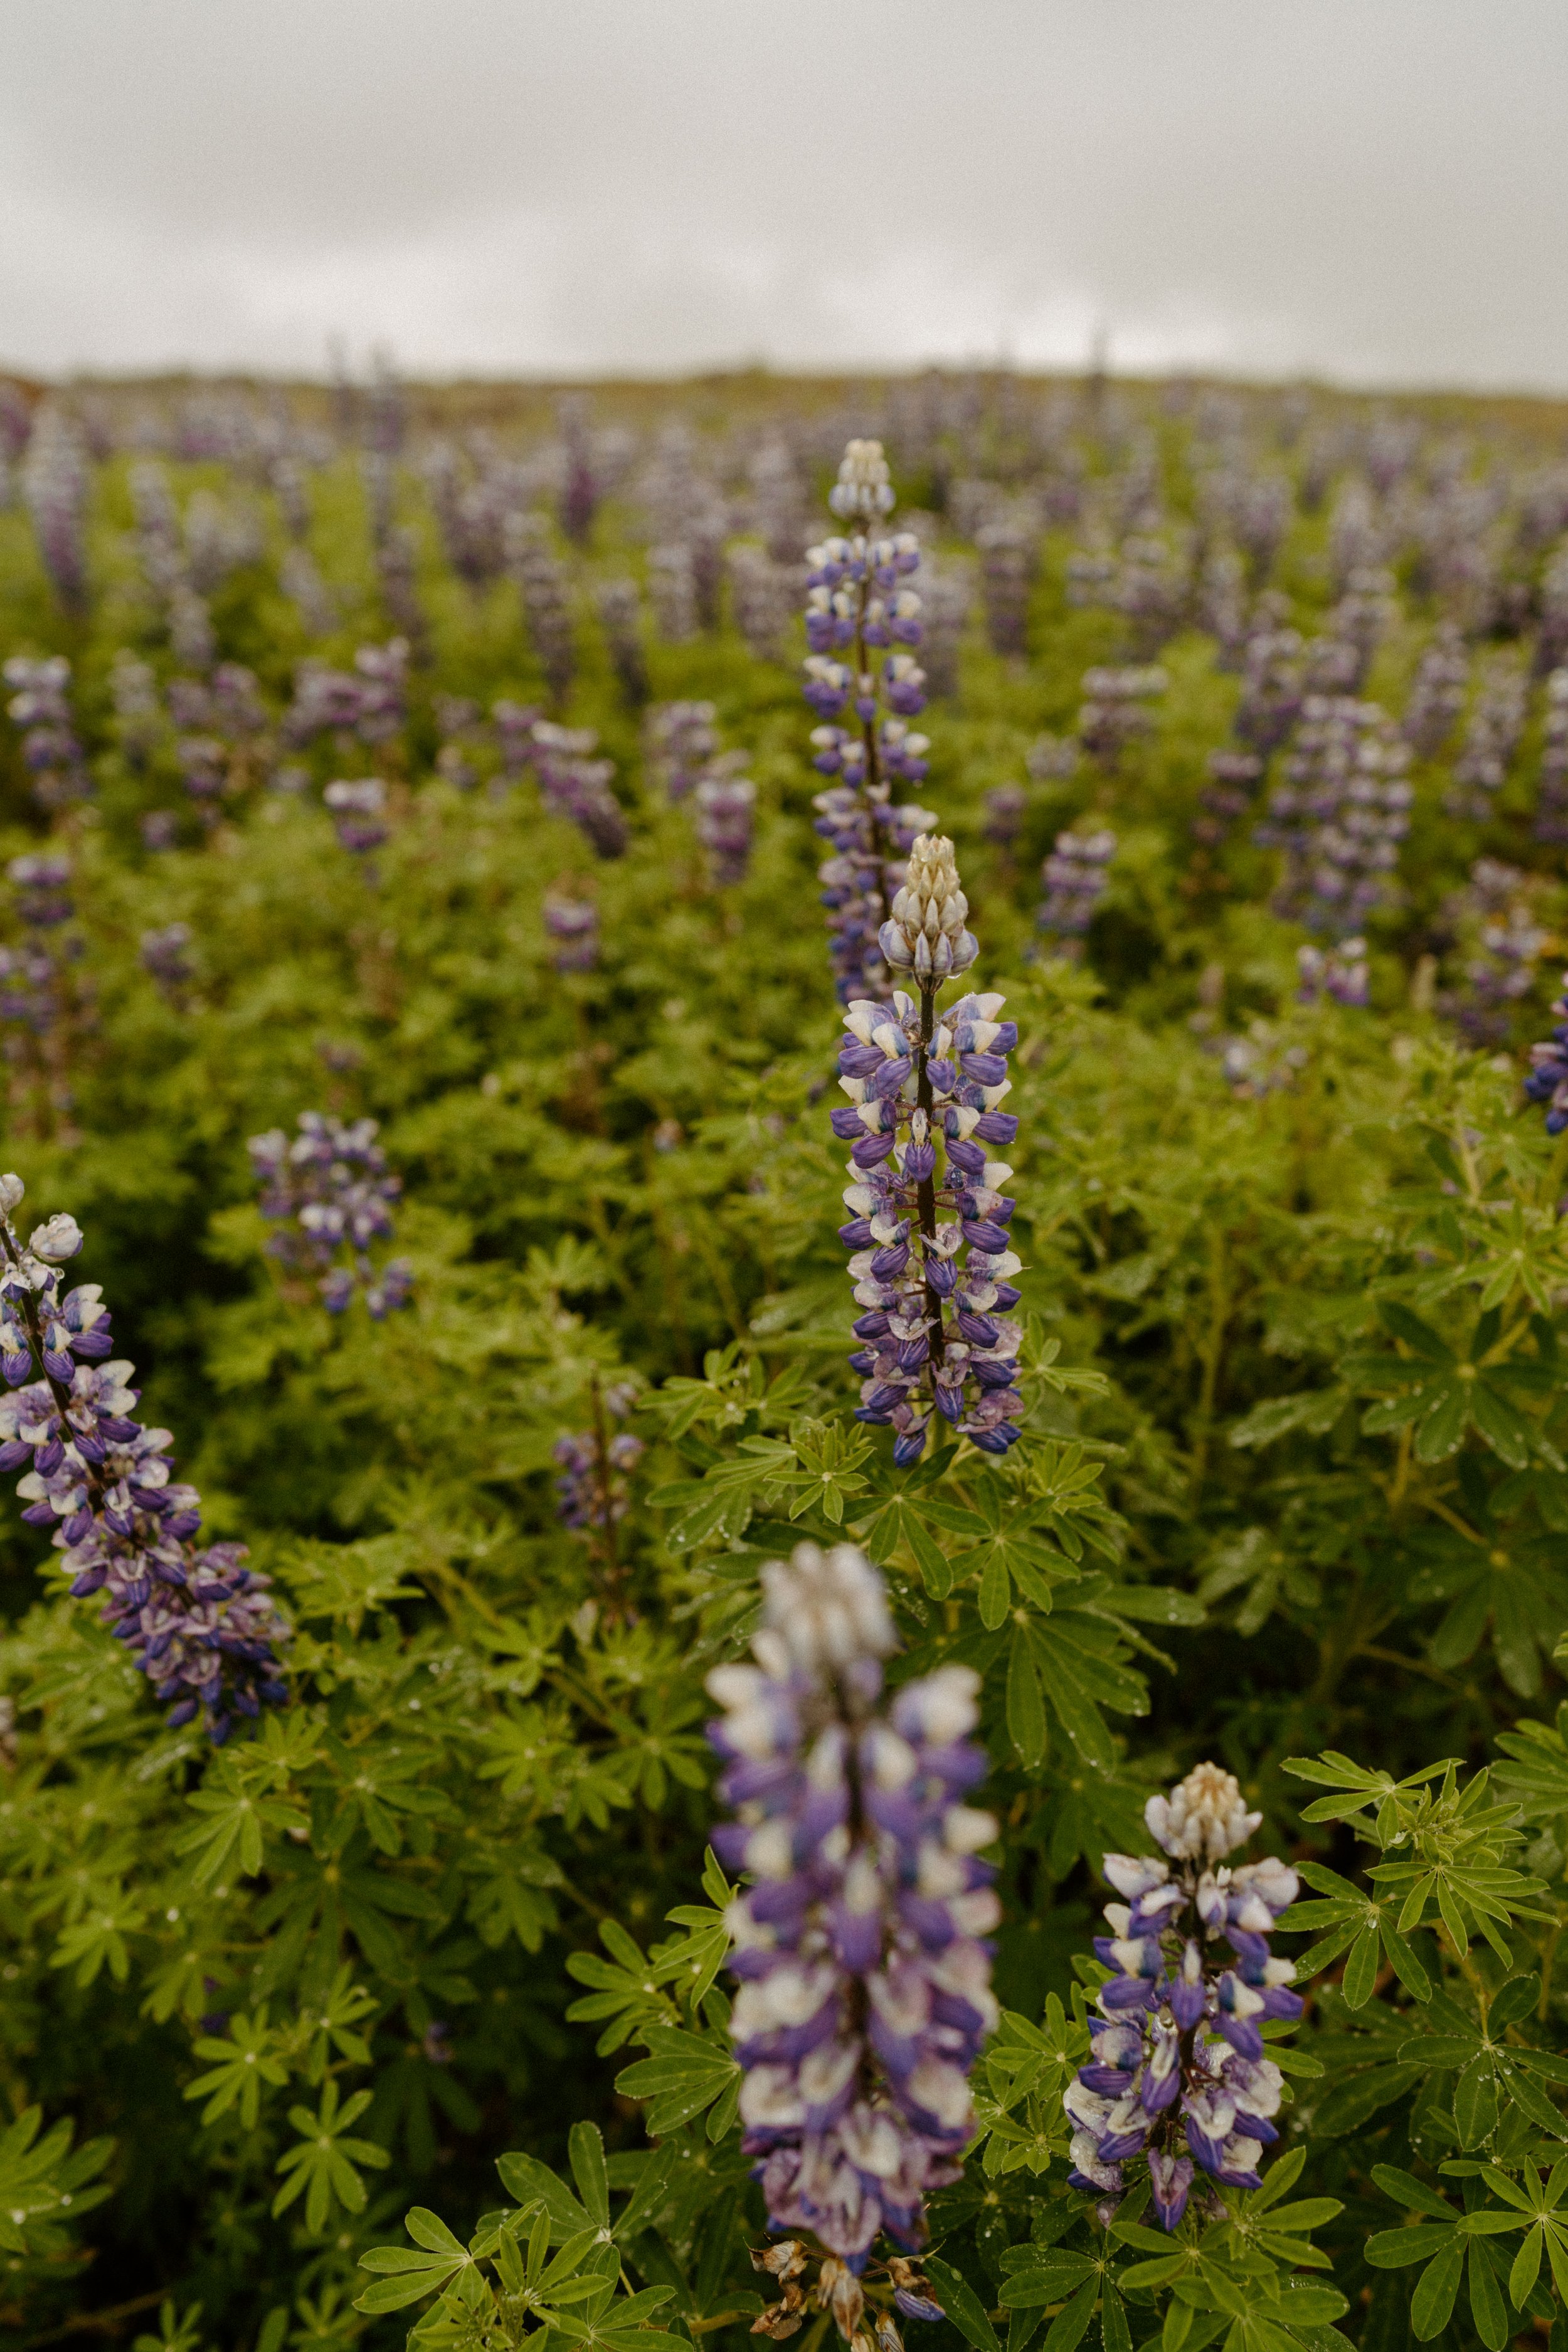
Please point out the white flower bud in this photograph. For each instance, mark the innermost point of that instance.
(925, 930)
(59, 1239)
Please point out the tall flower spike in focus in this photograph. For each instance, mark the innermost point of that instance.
(1178, 2076)
(858, 606)
(199, 1625)
(930, 1261)
(864, 1979)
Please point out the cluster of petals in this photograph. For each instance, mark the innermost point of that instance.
(860, 1942)
(1178, 2072)
(591, 1488)
(859, 603)
(1075, 874)
(870, 843)
(199, 1625)
(52, 748)
(329, 1190)
(933, 1302)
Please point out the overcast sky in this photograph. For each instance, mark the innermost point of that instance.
(1375, 191)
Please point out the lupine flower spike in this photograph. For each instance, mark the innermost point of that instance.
(931, 1263)
(857, 605)
(199, 1625)
(860, 1946)
(328, 1190)
(1548, 1079)
(1178, 2077)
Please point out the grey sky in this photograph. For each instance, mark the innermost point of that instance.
(1373, 190)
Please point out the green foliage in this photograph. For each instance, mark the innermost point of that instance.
(1294, 1482)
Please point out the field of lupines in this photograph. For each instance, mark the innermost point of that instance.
(788, 1170)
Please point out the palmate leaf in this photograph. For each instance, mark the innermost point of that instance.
(325, 2164)
(231, 1840)
(39, 2178)
(408, 2273)
(683, 2075)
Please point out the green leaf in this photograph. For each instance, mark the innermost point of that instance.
(1526, 2268)
(1067, 2327)
(1413, 2194)
(1046, 2279)
(1487, 2307)
(1395, 2248)
(1516, 2000)
(1432, 2304)
(963, 2305)
(1361, 1969)
(1476, 2101)
(1026, 1714)
(1079, 1715)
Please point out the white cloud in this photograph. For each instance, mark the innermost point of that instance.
(586, 185)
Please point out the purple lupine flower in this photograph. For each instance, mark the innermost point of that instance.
(457, 723)
(679, 739)
(857, 605)
(1178, 2073)
(591, 1488)
(203, 770)
(330, 1191)
(620, 617)
(1113, 715)
(164, 954)
(471, 513)
(52, 748)
(580, 486)
(946, 599)
(160, 829)
(1233, 779)
(1009, 563)
(1548, 1079)
(1552, 809)
(1052, 759)
(1491, 739)
(726, 804)
(577, 785)
(574, 923)
(381, 673)
(34, 976)
(199, 1625)
(56, 483)
(514, 723)
(1005, 806)
(763, 594)
(930, 1256)
(1273, 684)
(672, 590)
(369, 701)
(138, 719)
(1339, 971)
(1494, 918)
(358, 807)
(42, 880)
(1075, 874)
(1436, 693)
(301, 583)
(1152, 591)
(1339, 813)
(865, 1976)
(546, 604)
